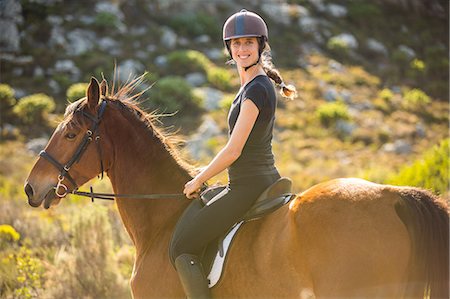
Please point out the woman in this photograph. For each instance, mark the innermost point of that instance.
(247, 155)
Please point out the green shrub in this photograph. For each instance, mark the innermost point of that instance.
(34, 108)
(415, 99)
(338, 46)
(386, 95)
(363, 11)
(7, 101)
(193, 25)
(182, 62)
(172, 94)
(105, 20)
(418, 65)
(8, 233)
(220, 78)
(329, 113)
(431, 171)
(76, 91)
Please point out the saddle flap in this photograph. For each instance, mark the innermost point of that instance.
(275, 196)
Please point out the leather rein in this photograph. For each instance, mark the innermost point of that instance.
(62, 190)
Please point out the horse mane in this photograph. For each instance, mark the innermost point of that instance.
(129, 100)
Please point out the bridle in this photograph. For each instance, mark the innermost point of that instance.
(61, 190)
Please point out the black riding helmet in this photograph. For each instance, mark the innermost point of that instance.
(245, 24)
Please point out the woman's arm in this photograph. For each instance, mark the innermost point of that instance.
(232, 150)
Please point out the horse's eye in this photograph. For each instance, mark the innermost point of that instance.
(71, 136)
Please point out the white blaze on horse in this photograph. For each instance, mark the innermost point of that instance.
(345, 238)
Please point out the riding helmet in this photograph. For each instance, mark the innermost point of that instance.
(245, 24)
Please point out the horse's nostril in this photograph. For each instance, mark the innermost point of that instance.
(29, 191)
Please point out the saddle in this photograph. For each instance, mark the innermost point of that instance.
(213, 258)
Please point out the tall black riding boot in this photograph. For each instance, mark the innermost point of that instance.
(192, 278)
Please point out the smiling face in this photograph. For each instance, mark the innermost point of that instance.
(245, 50)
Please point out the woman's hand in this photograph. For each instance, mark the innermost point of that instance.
(192, 188)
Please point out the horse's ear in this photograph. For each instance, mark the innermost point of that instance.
(93, 93)
(104, 88)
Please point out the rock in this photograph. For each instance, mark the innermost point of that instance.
(79, 42)
(283, 13)
(195, 79)
(54, 86)
(68, 67)
(110, 45)
(309, 24)
(347, 39)
(335, 66)
(129, 69)
(335, 10)
(57, 37)
(10, 17)
(331, 95)
(38, 72)
(420, 130)
(111, 8)
(376, 46)
(407, 51)
(161, 61)
(197, 145)
(55, 20)
(168, 38)
(9, 37)
(344, 127)
(214, 54)
(399, 147)
(36, 145)
(202, 39)
(211, 97)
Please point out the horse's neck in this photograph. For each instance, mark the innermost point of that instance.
(142, 165)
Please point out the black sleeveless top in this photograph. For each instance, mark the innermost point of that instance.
(256, 157)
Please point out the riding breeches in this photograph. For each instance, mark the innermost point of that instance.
(214, 220)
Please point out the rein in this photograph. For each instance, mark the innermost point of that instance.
(111, 196)
(64, 169)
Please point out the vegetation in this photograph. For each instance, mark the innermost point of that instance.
(7, 101)
(33, 109)
(76, 91)
(431, 171)
(387, 119)
(171, 94)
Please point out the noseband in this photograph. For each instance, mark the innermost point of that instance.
(88, 137)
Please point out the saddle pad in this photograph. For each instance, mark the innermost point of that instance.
(219, 260)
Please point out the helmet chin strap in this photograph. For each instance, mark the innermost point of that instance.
(252, 65)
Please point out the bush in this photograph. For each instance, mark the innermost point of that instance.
(183, 62)
(172, 94)
(7, 101)
(415, 99)
(76, 91)
(329, 113)
(338, 46)
(193, 25)
(34, 108)
(220, 78)
(105, 20)
(429, 172)
(8, 234)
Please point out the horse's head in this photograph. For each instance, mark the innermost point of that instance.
(73, 154)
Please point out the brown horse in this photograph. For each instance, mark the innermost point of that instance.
(346, 238)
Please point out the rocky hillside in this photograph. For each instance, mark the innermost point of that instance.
(46, 45)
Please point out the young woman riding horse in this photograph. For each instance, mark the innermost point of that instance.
(247, 155)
